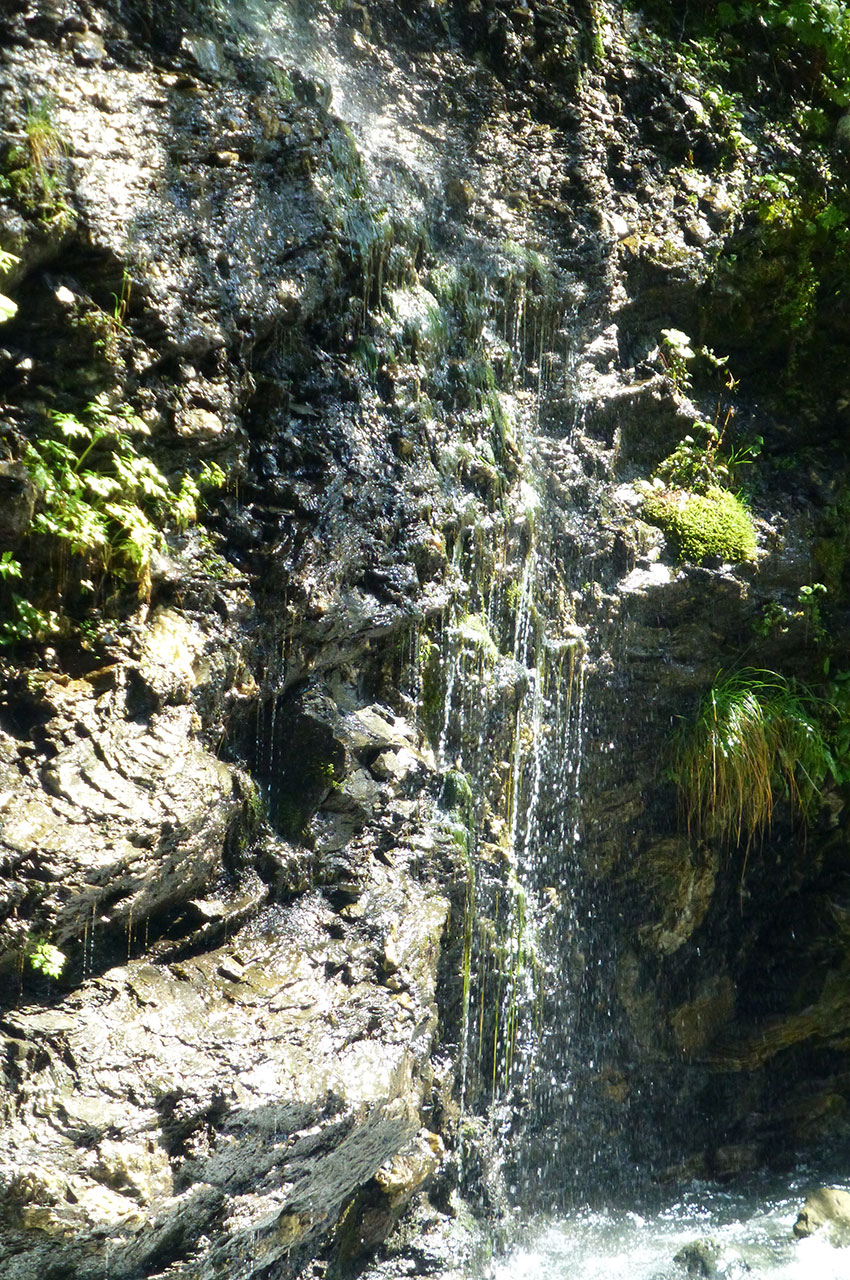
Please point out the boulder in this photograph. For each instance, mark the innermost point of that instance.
(826, 1211)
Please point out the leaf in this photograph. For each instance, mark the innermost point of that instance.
(47, 959)
(71, 427)
(102, 486)
(8, 308)
(9, 566)
(831, 217)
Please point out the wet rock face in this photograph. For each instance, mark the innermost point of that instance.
(236, 1098)
(227, 851)
(155, 805)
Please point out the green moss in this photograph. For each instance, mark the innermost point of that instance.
(457, 792)
(698, 525)
(474, 633)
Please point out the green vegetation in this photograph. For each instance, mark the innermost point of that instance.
(690, 497)
(808, 41)
(699, 463)
(457, 795)
(786, 279)
(45, 958)
(102, 501)
(32, 168)
(782, 66)
(474, 633)
(755, 737)
(44, 144)
(777, 619)
(102, 496)
(820, 29)
(698, 525)
(837, 706)
(107, 326)
(8, 308)
(677, 354)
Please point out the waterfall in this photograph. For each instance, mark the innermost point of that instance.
(498, 676)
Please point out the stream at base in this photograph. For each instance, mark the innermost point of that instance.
(742, 1230)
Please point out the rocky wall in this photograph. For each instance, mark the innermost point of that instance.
(294, 792)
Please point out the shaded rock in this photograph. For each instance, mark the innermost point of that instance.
(680, 881)
(698, 1022)
(17, 500)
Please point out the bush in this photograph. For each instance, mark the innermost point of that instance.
(818, 28)
(698, 525)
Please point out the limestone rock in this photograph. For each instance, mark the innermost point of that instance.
(255, 1088)
(155, 803)
(826, 1210)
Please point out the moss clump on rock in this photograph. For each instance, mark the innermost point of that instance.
(699, 525)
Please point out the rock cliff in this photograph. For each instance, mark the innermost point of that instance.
(339, 666)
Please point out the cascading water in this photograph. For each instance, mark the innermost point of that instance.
(501, 681)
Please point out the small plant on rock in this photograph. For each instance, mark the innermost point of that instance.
(45, 958)
(99, 494)
(755, 737)
(33, 166)
(690, 495)
(101, 501)
(676, 354)
(8, 307)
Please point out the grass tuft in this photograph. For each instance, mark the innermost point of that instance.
(755, 738)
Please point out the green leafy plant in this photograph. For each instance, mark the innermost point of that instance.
(755, 736)
(677, 354)
(45, 958)
(9, 566)
(699, 461)
(28, 622)
(777, 618)
(98, 492)
(8, 308)
(809, 599)
(102, 501)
